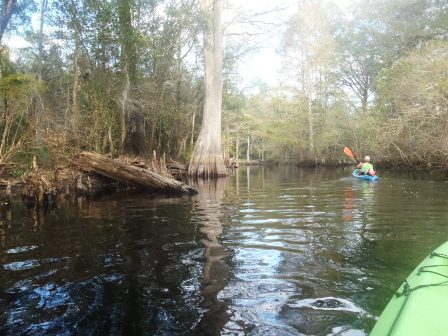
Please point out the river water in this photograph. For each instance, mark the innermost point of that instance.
(267, 251)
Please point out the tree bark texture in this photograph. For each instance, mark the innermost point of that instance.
(75, 106)
(133, 121)
(248, 150)
(76, 114)
(43, 10)
(8, 7)
(207, 159)
(137, 176)
(133, 136)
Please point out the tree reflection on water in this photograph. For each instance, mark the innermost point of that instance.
(216, 271)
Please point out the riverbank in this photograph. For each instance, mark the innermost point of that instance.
(39, 182)
(89, 174)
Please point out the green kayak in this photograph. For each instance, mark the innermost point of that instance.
(420, 306)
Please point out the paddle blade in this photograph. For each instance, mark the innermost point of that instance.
(349, 152)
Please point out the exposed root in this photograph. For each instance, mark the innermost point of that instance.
(37, 190)
(207, 167)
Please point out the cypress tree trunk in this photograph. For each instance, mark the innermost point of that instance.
(207, 159)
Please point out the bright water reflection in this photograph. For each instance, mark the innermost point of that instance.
(267, 251)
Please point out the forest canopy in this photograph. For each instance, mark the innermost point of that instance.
(127, 77)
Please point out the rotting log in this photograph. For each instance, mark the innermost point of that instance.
(137, 176)
(177, 170)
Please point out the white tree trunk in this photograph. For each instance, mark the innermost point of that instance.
(237, 147)
(262, 150)
(248, 149)
(207, 159)
(310, 122)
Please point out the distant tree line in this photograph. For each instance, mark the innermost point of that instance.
(373, 80)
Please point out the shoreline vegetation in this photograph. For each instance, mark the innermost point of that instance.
(42, 185)
(131, 78)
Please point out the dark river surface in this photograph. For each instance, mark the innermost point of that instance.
(267, 251)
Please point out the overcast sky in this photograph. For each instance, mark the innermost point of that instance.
(264, 62)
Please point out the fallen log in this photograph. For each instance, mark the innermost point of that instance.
(137, 176)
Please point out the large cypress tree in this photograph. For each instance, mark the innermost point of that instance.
(207, 159)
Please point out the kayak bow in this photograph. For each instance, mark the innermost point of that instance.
(420, 305)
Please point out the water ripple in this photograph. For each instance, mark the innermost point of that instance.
(21, 249)
(328, 303)
(269, 251)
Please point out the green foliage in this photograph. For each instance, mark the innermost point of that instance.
(18, 172)
(16, 123)
(16, 82)
(376, 81)
(42, 154)
(7, 66)
(413, 98)
(159, 43)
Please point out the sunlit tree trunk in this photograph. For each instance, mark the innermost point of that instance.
(248, 149)
(310, 119)
(307, 84)
(237, 147)
(207, 159)
(193, 118)
(262, 150)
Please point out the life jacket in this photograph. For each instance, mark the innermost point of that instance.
(365, 168)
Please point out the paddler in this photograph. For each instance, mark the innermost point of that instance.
(365, 167)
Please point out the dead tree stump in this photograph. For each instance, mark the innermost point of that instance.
(127, 173)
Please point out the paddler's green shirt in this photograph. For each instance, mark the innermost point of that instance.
(365, 167)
